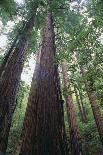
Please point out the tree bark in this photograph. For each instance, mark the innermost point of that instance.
(9, 84)
(74, 130)
(61, 110)
(7, 56)
(42, 131)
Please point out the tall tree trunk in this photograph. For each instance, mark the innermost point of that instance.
(95, 108)
(9, 84)
(61, 113)
(74, 130)
(82, 115)
(7, 56)
(82, 104)
(42, 132)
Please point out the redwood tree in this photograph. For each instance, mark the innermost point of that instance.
(81, 110)
(93, 101)
(7, 56)
(73, 125)
(82, 104)
(42, 131)
(9, 83)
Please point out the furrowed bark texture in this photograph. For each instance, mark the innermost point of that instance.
(11, 50)
(42, 131)
(74, 130)
(61, 111)
(8, 55)
(95, 108)
(9, 84)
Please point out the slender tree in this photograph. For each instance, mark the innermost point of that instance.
(10, 81)
(73, 125)
(42, 131)
(93, 100)
(82, 114)
(95, 108)
(82, 104)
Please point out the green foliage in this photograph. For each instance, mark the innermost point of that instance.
(7, 9)
(90, 136)
(33, 42)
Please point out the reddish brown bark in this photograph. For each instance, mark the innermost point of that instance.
(8, 55)
(82, 114)
(42, 131)
(61, 110)
(73, 125)
(10, 52)
(95, 108)
(9, 84)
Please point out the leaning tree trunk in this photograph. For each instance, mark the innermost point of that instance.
(74, 130)
(8, 55)
(42, 131)
(95, 108)
(9, 83)
(10, 52)
(82, 114)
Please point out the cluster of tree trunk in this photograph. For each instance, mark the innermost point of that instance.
(43, 130)
(95, 108)
(80, 105)
(76, 148)
(93, 101)
(11, 70)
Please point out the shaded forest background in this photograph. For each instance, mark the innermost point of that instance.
(78, 28)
